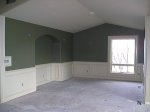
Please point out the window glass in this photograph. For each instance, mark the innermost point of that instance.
(122, 55)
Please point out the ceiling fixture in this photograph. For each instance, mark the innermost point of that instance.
(10, 1)
(92, 12)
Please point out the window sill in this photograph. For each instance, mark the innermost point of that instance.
(122, 73)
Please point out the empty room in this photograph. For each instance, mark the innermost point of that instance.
(74, 56)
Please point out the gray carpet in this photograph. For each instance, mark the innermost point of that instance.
(81, 95)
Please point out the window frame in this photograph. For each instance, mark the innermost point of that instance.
(110, 38)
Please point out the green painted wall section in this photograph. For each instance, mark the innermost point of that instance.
(43, 50)
(20, 44)
(67, 52)
(92, 44)
(31, 44)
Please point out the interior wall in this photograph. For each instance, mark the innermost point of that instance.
(29, 45)
(67, 52)
(43, 50)
(20, 42)
(91, 45)
(48, 50)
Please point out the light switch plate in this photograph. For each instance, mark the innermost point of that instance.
(8, 61)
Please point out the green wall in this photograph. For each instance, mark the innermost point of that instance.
(67, 52)
(20, 43)
(43, 50)
(50, 50)
(31, 44)
(92, 44)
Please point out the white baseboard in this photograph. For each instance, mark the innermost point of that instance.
(42, 83)
(100, 70)
(19, 82)
(16, 95)
(147, 103)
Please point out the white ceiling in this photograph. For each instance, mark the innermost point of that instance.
(74, 15)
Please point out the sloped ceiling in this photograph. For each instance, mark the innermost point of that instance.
(76, 15)
(130, 13)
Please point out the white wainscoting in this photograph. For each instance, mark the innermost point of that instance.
(66, 71)
(100, 70)
(23, 81)
(43, 74)
(53, 72)
(19, 82)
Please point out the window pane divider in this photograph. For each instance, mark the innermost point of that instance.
(123, 64)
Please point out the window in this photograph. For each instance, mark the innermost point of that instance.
(122, 54)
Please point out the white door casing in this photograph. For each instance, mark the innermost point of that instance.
(147, 61)
(2, 56)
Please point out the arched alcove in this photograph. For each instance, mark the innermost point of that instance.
(47, 50)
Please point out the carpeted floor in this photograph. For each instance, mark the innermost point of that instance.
(81, 95)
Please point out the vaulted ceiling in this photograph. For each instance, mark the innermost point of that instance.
(76, 15)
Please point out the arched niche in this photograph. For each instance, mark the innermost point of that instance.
(47, 50)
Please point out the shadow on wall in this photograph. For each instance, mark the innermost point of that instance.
(47, 50)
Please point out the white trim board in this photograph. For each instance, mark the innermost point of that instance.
(147, 103)
(100, 70)
(147, 60)
(2, 56)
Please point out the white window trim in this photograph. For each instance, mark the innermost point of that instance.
(109, 52)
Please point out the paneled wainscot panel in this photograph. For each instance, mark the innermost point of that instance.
(19, 82)
(101, 70)
(53, 72)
